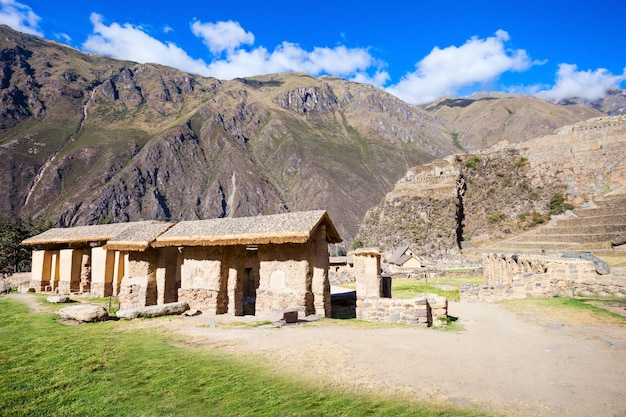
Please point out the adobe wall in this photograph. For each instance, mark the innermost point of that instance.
(511, 276)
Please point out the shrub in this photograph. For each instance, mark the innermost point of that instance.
(558, 205)
(521, 161)
(495, 218)
(472, 161)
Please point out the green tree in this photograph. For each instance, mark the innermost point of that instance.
(14, 257)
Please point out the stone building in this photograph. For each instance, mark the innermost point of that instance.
(248, 265)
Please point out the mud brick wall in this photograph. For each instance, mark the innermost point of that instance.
(425, 310)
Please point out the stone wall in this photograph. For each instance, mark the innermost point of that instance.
(510, 276)
(425, 310)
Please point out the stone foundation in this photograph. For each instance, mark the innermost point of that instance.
(199, 299)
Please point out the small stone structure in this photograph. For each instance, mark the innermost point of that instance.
(510, 276)
(374, 302)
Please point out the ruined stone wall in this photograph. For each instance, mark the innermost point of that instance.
(511, 276)
(425, 310)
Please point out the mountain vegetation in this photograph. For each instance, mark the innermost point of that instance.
(87, 139)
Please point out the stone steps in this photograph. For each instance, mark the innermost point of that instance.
(591, 221)
(601, 211)
(591, 229)
(601, 229)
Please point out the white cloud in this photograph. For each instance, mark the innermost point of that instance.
(131, 43)
(19, 17)
(585, 84)
(222, 36)
(446, 71)
(338, 61)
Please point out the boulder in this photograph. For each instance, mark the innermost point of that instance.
(153, 311)
(289, 315)
(84, 313)
(57, 299)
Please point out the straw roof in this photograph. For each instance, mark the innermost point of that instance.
(83, 235)
(294, 227)
(138, 237)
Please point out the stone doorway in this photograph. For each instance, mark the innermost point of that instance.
(249, 285)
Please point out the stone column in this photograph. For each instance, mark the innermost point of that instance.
(40, 270)
(320, 285)
(367, 273)
(102, 265)
(85, 272)
(69, 270)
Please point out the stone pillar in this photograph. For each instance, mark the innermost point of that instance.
(40, 269)
(85, 272)
(320, 286)
(119, 266)
(235, 298)
(102, 265)
(69, 270)
(139, 287)
(367, 273)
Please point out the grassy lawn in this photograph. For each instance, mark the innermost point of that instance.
(447, 287)
(104, 369)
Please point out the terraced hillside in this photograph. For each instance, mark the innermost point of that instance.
(598, 226)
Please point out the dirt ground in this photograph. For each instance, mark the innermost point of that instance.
(518, 361)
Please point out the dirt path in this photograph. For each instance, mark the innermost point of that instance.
(517, 363)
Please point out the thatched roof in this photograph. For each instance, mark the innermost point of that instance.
(137, 237)
(84, 235)
(295, 227)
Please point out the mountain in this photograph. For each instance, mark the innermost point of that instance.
(480, 122)
(612, 103)
(87, 139)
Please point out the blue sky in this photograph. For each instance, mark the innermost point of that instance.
(416, 50)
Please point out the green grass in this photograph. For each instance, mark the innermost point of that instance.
(409, 288)
(104, 369)
(571, 306)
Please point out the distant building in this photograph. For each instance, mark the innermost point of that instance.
(404, 259)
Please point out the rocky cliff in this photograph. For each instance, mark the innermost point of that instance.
(466, 201)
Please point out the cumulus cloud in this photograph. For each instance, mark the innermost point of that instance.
(338, 61)
(222, 36)
(446, 71)
(585, 84)
(19, 17)
(131, 43)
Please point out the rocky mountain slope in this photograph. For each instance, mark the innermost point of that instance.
(472, 200)
(87, 139)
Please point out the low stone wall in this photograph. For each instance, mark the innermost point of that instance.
(199, 299)
(425, 310)
(510, 276)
